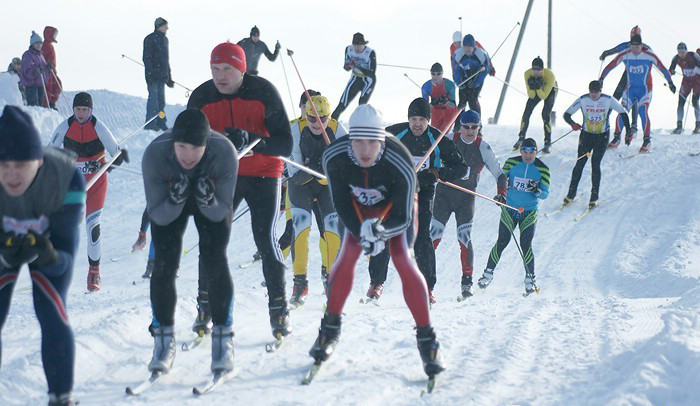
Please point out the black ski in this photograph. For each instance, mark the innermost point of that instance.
(275, 345)
(312, 373)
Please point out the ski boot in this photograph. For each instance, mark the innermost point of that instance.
(429, 349)
(697, 128)
(300, 291)
(547, 145)
(149, 269)
(375, 291)
(202, 323)
(140, 242)
(163, 349)
(467, 286)
(646, 145)
(486, 278)
(679, 128)
(519, 142)
(328, 337)
(64, 399)
(93, 278)
(615, 141)
(530, 285)
(568, 200)
(279, 317)
(221, 349)
(594, 200)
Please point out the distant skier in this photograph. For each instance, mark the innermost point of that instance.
(156, 61)
(638, 63)
(35, 72)
(528, 181)
(689, 62)
(254, 48)
(471, 66)
(373, 185)
(41, 200)
(361, 60)
(477, 153)
(440, 92)
(541, 86)
(54, 86)
(595, 134)
(457, 44)
(190, 171)
(88, 137)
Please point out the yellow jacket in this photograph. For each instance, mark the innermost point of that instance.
(549, 82)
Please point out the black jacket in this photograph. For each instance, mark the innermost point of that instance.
(156, 58)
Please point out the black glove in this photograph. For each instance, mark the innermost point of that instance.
(179, 189)
(443, 99)
(533, 186)
(204, 191)
(10, 255)
(277, 46)
(672, 87)
(535, 83)
(123, 157)
(434, 101)
(241, 138)
(672, 71)
(170, 83)
(39, 246)
(604, 55)
(300, 178)
(428, 176)
(500, 198)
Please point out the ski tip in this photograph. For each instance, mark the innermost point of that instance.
(197, 392)
(130, 391)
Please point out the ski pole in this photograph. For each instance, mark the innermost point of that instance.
(511, 86)
(161, 115)
(512, 233)
(439, 138)
(65, 99)
(303, 168)
(559, 138)
(562, 90)
(687, 108)
(483, 69)
(308, 97)
(139, 63)
(409, 78)
(102, 170)
(248, 148)
(289, 90)
(505, 39)
(601, 67)
(401, 66)
(452, 185)
(46, 95)
(565, 164)
(460, 27)
(134, 171)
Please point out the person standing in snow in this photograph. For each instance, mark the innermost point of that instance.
(541, 86)
(35, 72)
(689, 62)
(54, 86)
(245, 109)
(595, 133)
(361, 60)
(471, 65)
(15, 68)
(190, 171)
(156, 62)
(528, 182)
(440, 92)
(373, 184)
(88, 137)
(477, 153)
(41, 200)
(254, 48)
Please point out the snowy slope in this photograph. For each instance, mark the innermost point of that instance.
(616, 321)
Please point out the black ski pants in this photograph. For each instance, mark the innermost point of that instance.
(587, 142)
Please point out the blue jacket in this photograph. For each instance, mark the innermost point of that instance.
(468, 65)
(519, 175)
(156, 59)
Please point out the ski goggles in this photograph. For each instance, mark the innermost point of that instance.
(312, 119)
(528, 149)
(470, 127)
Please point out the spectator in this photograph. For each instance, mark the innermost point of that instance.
(54, 86)
(34, 72)
(157, 63)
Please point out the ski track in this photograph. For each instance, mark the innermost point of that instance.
(616, 321)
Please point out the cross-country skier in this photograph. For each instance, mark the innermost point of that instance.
(255, 48)
(361, 60)
(41, 201)
(595, 133)
(528, 182)
(541, 86)
(440, 92)
(457, 44)
(88, 137)
(471, 66)
(190, 171)
(247, 108)
(445, 163)
(304, 189)
(689, 62)
(638, 63)
(373, 185)
(477, 153)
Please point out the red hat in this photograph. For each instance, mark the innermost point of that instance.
(229, 53)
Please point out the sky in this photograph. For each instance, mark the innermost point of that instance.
(94, 35)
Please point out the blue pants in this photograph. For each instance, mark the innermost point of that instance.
(155, 104)
(35, 95)
(640, 97)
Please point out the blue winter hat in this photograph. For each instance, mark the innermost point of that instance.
(19, 139)
(35, 38)
(469, 41)
(470, 116)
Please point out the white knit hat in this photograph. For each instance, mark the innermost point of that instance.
(367, 123)
(457, 36)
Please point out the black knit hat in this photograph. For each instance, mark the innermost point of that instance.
(82, 99)
(436, 68)
(192, 127)
(419, 107)
(538, 63)
(160, 21)
(636, 40)
(302, 100)
(595, 86)
(529, 142)
(255, 31)
(19, 139)
(358, 39)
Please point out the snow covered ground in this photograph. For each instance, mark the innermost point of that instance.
(616, 321)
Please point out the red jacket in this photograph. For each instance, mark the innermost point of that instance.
(53, 86)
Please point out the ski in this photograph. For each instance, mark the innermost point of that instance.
(584, 214)
(216, 381)
(145, 385)
(536, 290)
(194, 343)
(461, 298)
(430, 387)
(295, 305)
(249, 263)
(558, 209)
(635, 154)
(312, 373)
(366, 300)
(694, 154)
(275, 345)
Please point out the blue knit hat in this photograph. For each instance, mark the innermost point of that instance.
(19, 139)
(469, 41)
(470, 116)
(35, 38)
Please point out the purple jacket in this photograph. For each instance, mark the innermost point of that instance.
(34, 68)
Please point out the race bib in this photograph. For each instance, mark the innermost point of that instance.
(88, 167)
(39, 225)
(366, 197)
(520, 184)
(416, 161)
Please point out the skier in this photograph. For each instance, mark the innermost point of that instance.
(361, 60)
(471, 66)
(190, 171)
(156, 62)
(689, 62)
(247, 108)
(445, 163)
(88, 137)
(477, 153)
(304, 189)
(440, 92)
(595, 134)
(54, 85)
(41, 201)
(541, 86)
(373, 185)
(457, 44)
(254, 48)
(35, 72)
(638, 63)
(528, 181)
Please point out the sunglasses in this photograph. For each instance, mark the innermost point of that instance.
(312, 119)
(470, 127)
(528, 149)
(436, 74)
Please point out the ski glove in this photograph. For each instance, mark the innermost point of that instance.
(500, 198)
(204, 192)
(123, 157)
(40, 248)
(428, 176)
(535, 83)
(372, 237)
(10, 255)
(534, 187)
(575, 126)
(604, 55)
(179, 189)
(672, 87)
(241, 138)
(277, 46)
(170, 83)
